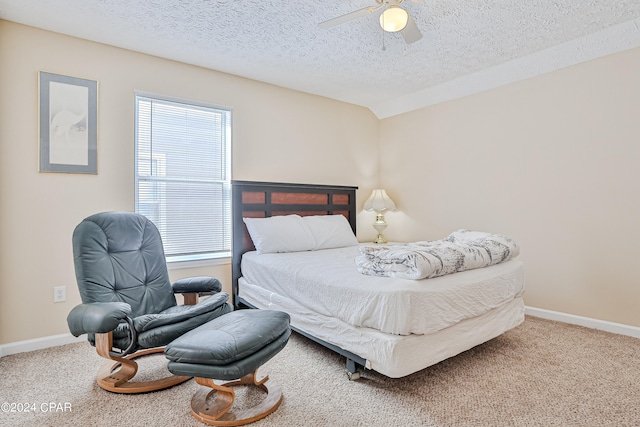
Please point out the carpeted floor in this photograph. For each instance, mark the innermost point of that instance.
(542, 373)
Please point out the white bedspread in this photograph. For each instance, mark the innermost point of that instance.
(460, 251)
(327, 282)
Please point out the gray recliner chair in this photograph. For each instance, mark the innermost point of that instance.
(128, 304)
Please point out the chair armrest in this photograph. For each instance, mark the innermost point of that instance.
(200, 285)
(97, 318)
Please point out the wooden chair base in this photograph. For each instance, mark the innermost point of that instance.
(219, 411)
(118, 381)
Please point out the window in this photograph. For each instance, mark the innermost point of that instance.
(183, 174)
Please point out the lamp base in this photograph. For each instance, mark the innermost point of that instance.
(380, 240)
(380, 224)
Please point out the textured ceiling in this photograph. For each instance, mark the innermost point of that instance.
(467, 45)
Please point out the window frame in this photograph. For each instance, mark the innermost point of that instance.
(195, 259)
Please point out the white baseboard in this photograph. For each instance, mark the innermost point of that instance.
(39, 344)
(602, 325)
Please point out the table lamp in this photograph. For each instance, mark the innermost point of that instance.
(379, 202)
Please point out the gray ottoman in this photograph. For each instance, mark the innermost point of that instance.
(231, 347)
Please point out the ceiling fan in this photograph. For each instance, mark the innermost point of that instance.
(392, 19)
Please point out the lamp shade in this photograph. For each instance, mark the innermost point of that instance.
(379, 201)
(394, 19)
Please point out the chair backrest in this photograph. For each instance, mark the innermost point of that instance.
(118, 256)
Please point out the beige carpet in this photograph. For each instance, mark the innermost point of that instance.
(542, 373)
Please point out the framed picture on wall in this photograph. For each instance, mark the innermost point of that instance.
(68, 124)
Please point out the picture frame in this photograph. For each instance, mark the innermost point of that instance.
(68, 124)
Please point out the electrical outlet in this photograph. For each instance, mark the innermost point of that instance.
(59, 293)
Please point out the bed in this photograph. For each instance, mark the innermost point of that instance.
(377, 323)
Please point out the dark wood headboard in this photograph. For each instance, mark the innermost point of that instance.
(265, 199)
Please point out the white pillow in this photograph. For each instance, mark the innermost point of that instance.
(330, 231)
(287, 233)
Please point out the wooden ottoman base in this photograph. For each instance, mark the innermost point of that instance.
(219, 410)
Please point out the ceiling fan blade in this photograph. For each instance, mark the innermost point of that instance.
(348, 17)
(411, 32)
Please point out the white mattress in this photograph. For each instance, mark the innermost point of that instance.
(392, 355)
(327, 283)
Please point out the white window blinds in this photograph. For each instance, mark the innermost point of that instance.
(183, 175)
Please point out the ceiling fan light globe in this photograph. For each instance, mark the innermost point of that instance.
(394, 19)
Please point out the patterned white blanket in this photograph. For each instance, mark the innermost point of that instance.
(461, 250)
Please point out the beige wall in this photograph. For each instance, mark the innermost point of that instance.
(553, 161)
(278, 134)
